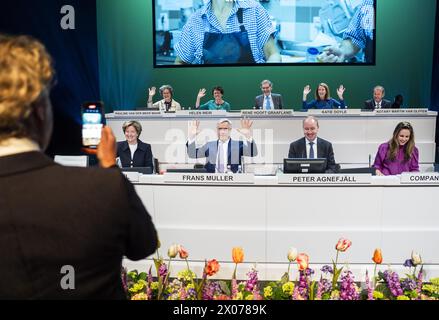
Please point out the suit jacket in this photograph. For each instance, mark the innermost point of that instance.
(53, 216)
(324, 150)
(277, 101)
(371, 105)
(236, 149)
(142, 156)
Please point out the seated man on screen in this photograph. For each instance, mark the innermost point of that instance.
(312, 147)
(377, 102)
(223, 153)
(358, 36)
(228, 32)
(268, 100)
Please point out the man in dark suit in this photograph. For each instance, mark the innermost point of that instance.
(64, 231)
(268, 100)
(312, 147)
(224, 152)
(377, 102)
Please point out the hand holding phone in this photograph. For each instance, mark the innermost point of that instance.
(92, 123)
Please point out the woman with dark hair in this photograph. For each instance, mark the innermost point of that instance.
(323, 98)
(216, 104)
(399, 154)
(133, 152)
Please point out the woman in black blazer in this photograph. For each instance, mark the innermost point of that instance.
(133, 152)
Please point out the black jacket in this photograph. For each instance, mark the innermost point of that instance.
(324, 150)
(142, 156)
(53, 216)
(371, 105)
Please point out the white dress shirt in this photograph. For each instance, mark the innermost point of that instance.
(225, 146)
(133, 148)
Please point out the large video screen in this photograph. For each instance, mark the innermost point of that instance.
(263, 32)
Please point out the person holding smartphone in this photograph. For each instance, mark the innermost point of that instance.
(65, 230)
(133, 152)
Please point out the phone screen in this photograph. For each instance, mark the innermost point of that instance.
(92, 123)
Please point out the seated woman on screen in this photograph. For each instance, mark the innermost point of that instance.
(217, 103)
(399, 154)
(323, 98)
(133, 152)
(167, 104)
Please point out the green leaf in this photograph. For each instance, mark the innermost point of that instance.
(311, 290)
(143, 276)
(224, 287)
(285, 278)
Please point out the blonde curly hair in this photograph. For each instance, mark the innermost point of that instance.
(26, 70)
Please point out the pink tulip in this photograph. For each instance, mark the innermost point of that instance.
(343, 244)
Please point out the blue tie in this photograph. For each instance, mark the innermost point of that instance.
(311, 150)
(220, 157)
(268, 104)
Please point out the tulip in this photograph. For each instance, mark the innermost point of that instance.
(377, 256)
(292, 254)
(173, 251)
(303, 261)
(237, 255)
(182, 252)
(416, 258)
(212, 267)
(343, 244)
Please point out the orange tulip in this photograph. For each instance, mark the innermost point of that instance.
(377, 256)
(182, 252)
(237, 255)
(303, 261)
(212, 267)
(343, 244)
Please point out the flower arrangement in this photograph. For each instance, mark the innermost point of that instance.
(334, 283)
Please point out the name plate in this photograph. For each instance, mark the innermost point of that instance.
(140, 113)
(402, 111)
(207, 178)
(420, 178)
(326, 179)
(265, 113)
(334, 112)
(198, 113)
(131, 175)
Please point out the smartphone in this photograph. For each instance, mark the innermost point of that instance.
(92, 122)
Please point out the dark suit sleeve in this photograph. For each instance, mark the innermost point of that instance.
(367, 105)
(249, 149)
(142, 237)
(281, 104)
(291, 152)
(194, 153)
(256, 103)
(148, 157)
(331, 166)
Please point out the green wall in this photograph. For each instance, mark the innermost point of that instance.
(405, 36)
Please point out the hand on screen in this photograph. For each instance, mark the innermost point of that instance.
(246, 126)
(106, 151)
(331, 54)
(306, 91)
(340, 91)
(152, 91)
(193, 129)
(378, 173)
(201, 93)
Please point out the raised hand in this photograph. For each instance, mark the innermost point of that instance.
(201, 93)
(151, 91)
(246, 126)
(193, 129)
(306, 90)
(340, 91)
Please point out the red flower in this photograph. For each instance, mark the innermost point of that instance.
(343, 244)
(212, 267)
